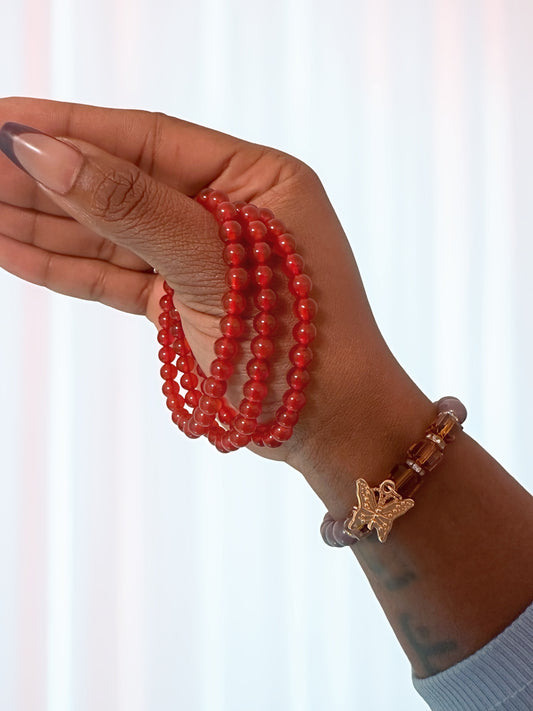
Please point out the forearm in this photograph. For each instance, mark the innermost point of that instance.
(456, 569)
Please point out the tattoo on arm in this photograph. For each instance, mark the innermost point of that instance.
(427, 651)
(392, 580)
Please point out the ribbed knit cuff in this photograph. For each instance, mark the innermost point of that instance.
(498, 677)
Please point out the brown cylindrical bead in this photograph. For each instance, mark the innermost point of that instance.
(443, 426)
(426, 454)
(406, 479)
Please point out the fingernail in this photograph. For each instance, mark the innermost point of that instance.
(52, 162)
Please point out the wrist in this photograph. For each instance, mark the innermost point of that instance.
(361, 431)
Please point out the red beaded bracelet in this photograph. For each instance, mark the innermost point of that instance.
(378, 507)
(253, 240)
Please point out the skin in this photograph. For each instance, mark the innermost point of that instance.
(130, 210)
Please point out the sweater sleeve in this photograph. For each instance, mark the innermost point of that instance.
(498, 677)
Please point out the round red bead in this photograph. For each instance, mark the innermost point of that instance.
(249, 212)
(192, 397)
(167, 354)
(304, 332)
(257, 231)
(264, 324)
(209, 405)
(276, 227)
(262, 347)
(226, 348)
(237, 278)
(234, 302)
(294, 264)
(294, 400)
(189, 381)
(166, 303)
(298, 378)
(300, 356)
(214, 387)
(226, 211)
(281, 433)
(258, 369)
(286, 417)
(250, 409)
(230, 231)
(305, 309)
(185, 363)
(265, 299)
(168, 371)
(214, 199)
(300, 285)
(232, 326)
(261, 251)
(221, 369)
(255, 390)
(263, 275)
(234, 254)
(244, 425)
(285, 244)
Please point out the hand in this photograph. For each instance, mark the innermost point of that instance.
(128, 208)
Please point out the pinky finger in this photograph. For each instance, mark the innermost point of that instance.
(123, 289)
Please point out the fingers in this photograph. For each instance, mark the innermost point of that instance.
(172, 151)
(116, 200)
(92, 279)
(63, 235)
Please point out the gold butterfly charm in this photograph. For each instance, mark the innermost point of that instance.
(377, 507)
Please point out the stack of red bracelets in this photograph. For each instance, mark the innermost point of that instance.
(255, 242)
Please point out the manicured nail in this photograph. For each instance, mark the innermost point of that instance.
(52, 162)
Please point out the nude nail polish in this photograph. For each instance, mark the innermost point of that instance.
(51, 161)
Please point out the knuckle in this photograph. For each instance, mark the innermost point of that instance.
(119, 194)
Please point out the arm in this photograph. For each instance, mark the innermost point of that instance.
(125, 207)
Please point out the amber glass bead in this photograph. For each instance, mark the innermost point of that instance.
(406, 479)
(426, 454)
(443, 426)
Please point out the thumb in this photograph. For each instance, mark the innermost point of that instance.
(120, 202)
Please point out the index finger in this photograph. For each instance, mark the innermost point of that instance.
(183, 155)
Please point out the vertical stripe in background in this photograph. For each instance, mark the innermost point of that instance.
(141, 571)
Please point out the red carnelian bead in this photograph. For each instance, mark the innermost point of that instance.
(244, 425)
(262, 347)
(168, 371)
(250, 409)
(259, 435)
(257, 231)
(231, 326)
(189, 381)
(233, 302)
(192, 429)
(239, 204)
(258, 369)
(165, 302)
(170, 387)
(255, 390)
(263, 275)
(261, 251)
(239, 440)
(214, 199)
(203, 418)
(294, 400)
(275, 227)
(265, 214)
(264, 324)
(294, 264)
(214, 387)
(285, 244)
(165, 338)
(221, 370)
(300, 285)
(167, 354)
(168, 289)
(287, 418)
(213, 436)
(300, 356)
(175, 402)
(202, 197)
(265, 299)
(209, 405)
(249, 212)
(164, 320)
(281, 433)
(181, 348)
(305, 309)
(237, 278)
(192, 398)
(180, 417)
(177, 331)
(234, 254)
(185, 363)
(298, 378)
(227, 444)
(225, 415)
(230, 231)
(304, 332)
(269, 441)
(226, 348)
(225, 211)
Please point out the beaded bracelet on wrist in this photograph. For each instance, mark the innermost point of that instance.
(378, 507)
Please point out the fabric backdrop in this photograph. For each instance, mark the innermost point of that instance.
(140, 570)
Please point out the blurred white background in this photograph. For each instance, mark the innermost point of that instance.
(140, 570)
